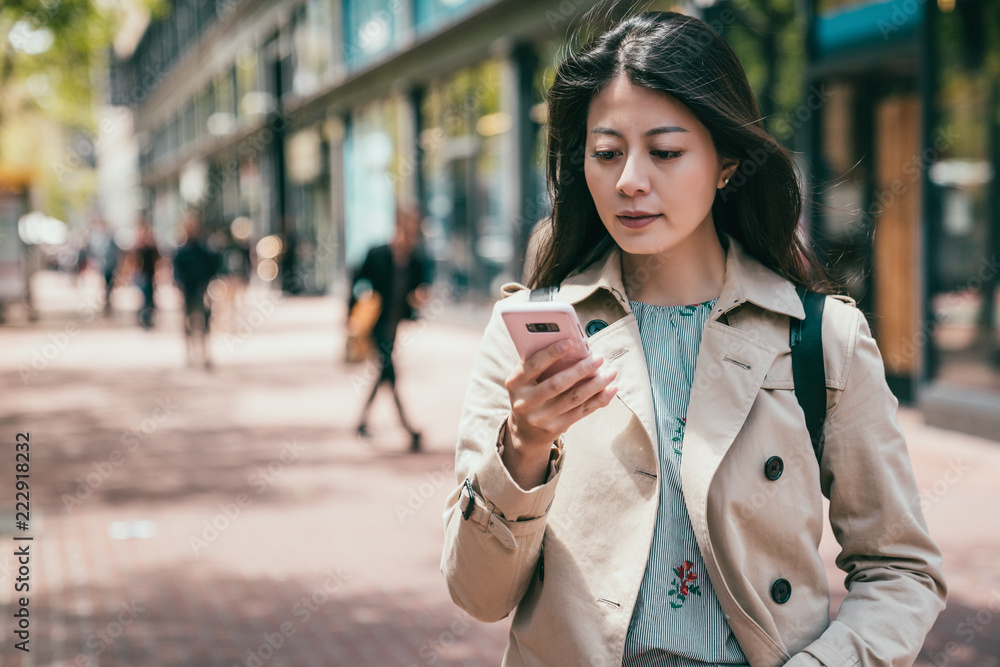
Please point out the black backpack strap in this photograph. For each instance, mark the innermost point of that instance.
(543, 293)
(806, 341)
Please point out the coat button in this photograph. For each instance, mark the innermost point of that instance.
(781, 590)
(773, 468)
(593, 326)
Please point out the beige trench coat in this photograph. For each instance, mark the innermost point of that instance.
(596, 513)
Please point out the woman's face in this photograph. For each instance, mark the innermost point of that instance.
(652, 169)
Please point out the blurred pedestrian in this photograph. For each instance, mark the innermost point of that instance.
(661, 500)
(194, 268)
(400, 274)
(79, 244)
(147, 256)
(105, 253)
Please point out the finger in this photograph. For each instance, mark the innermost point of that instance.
(578, 401)
(539, 362)
(583, 391)
(569, 377)
(542, 394)
(600, 400)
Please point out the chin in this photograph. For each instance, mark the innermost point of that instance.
(647, 244)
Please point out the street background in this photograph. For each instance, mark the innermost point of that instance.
(231, 517)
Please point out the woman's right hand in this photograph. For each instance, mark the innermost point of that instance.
(541, 411)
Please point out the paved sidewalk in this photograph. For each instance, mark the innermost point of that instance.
(185, 517)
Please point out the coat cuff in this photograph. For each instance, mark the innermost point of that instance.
(499, 488)
(829, 654)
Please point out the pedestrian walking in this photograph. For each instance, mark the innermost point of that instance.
(147, 256)
(399, 273)
(105, 253)
(194, 267)
(660, 502)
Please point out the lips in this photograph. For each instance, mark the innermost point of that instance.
(633, 219)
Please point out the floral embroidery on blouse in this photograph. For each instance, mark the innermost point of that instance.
(678, 438)
(684, 584)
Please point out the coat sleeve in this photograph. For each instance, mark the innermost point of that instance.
(490, 558)
(894, 579)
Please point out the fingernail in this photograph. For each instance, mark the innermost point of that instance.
(563, 345)
(595, 361)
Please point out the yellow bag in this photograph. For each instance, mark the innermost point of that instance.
(360, 323)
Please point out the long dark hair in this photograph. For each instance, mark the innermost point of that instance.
(685, 58)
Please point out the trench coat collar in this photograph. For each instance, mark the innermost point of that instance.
(746, 280)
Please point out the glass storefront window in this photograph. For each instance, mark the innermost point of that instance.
(251, 202)
(430, 14)
(187, 125)
(371, 145)
(312, 43)
(252, 100)
(202, 111)
(964, 299)
(310, 208)
(467, 176)
(173, 135)
(371, 28)
(223, 118)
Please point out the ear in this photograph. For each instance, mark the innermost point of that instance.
(729, 167)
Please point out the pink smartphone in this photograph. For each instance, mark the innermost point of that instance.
(537, 324)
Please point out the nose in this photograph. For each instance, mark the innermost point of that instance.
(633, 179)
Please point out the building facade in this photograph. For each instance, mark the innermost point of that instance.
(315, 118)
(902, 155)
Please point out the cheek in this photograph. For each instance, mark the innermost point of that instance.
(691, 178)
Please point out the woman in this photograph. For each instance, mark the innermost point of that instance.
(640, 508)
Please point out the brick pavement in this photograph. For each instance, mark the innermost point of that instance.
(232, 518)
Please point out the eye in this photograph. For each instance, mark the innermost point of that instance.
(605, 155)
(665, 155)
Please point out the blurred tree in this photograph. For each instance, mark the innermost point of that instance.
(52, 55)
(769, 38)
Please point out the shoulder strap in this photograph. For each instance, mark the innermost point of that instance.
(543, 293)
(806, 341)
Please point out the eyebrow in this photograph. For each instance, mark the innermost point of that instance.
(656, 130)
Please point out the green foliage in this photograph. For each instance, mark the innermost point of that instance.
(53, 56)
(61, 87)
(769, 38)
(966, 78)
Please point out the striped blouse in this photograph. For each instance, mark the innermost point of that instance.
(677, 621)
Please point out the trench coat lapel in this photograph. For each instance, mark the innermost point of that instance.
(619, 344)
(621, 347)
(730, 370)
